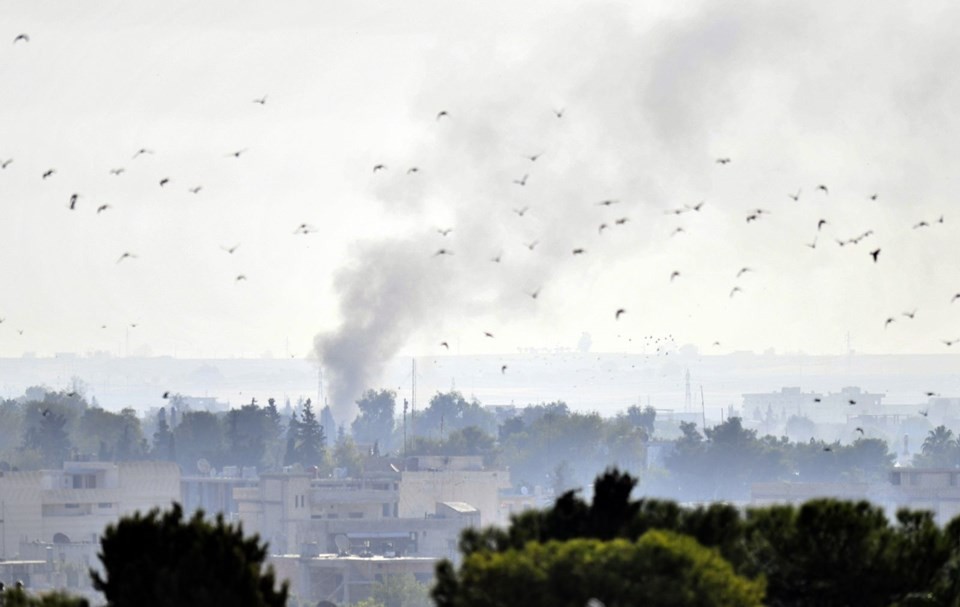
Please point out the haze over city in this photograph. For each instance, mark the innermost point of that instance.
(355, 182)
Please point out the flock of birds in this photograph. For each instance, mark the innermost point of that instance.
(76, 203)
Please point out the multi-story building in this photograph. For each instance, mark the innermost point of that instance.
(71, 507)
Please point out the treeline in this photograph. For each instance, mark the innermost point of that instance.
(622, 551)
(45, 428)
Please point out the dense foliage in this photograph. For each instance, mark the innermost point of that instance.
(162, 559)
(825, 552)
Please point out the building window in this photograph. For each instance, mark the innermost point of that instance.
(356, 515)
(104, 505)
(333, 515)
(90, 481)
(386, 510)
(77, 481)
(71, 506)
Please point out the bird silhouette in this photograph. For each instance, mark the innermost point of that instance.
(497, 258)
(821, 223)
(796, 197)
(723, 161)
(230, 250)
(752, 217)
(812, 245)
(261, 101)
(141, 152)
(195, 189)
(824, 188)
(240, 277)
(102, 208)
(20, 37)
(488, 334)
(73, 201)
(950, 342)
(413, 170)
(851, 402)
(164, 181)
(579, 251)
(442, 113)
(304, 228)
(735, 290)
(444, 231)
(859, 429)
(922, 224)
(924, 412)
(743, 271)
(237, 153)
(695, 207)
(531, 245)
(678, 230)
(873, 196)
(608, 202)
(620, 312)
(910, 315)
(875, 254)
(673, 275)
(443, 252)
(559, 113)
(522, 181)
(621, 221)
(166, 395)
(888, 321)
(521, 212)
(827, 449)
(930, 394)
(126, 255)
(503, 369)
(48, 173)
(601, 228)
(117, 171)
(4, 164)
(533, 157)
(379, 167)
(445, 345)
(955, 298)
(535, 294)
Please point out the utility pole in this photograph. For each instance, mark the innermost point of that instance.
(406, 404)
(413, 395)
(703, 410)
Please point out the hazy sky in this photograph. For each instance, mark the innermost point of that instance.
(860, 97)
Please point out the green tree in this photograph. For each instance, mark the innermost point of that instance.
(199, 436)
(311, 439)
(940, 448)
(247, 431)
(161, 559)
(163, 445)
(661, 568)
(375, 422)
(16, 597)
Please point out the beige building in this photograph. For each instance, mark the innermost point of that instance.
(933, 489)
(74, 505)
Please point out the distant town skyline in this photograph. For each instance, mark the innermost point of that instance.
(363, 182)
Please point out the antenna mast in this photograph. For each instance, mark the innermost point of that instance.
(703, 409)
(413, 393)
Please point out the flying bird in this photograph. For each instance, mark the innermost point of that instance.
(924, 412)
(601, 228)
(117, 171)
(579, 251)
(618, 313)
(824, 188)
(522, 181)
(950, 342)
(675, 274)
(20, 37)
(532, 244)
(859, 429)
(379, 167)
(261, 101)
(559, 113)
(126, 255)
(873, 196)
(888, 321)
(955, 298)
(164, 181)
(743, 271)
(812, 245)
(304, 228)
(533, 157)
(166, 395)
(412, 170)
(796, 197)
(73, 201)
(922, 224)
(497, 258)
(48, 173)
(910, 315)
(503, 369)
(445, 345)
(488, 334)
(875, 254)
(443, 252)
(102, 208)
(608, 202)
(735, 290)
(723, 160)
(195, 189)
(237, 153)
(6, 163)
(241, 277)
(621, 221)
(142, 151)
(230, 250)
(677, 231)
(444, 231)
(535, 294)
(821, 223)
(521, 212)
(442, 113)
(695, 207)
